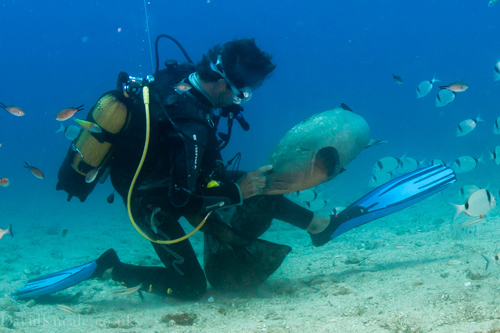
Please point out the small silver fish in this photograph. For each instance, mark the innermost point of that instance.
(466, 163)
(316, 205)
(66, 308)
(496, 127)
(456, 86)
(489, 259)
(386, 164)
(478, 203)
(71, 132)
(337, 210)
(398, 79)
(408, 164)
(496, 71)
(304, 195)
(468, 125)
(425, 87)
(91, 175)
(466, 190)
(183, 86)
(129, 290)
(377, 180)
(495, 156)
(444, 97)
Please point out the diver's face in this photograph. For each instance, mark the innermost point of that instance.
(226, 95)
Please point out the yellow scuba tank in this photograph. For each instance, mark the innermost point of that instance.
(93, 149)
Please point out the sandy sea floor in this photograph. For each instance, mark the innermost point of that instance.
(405, 273)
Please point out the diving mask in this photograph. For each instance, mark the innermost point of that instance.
(240, 95)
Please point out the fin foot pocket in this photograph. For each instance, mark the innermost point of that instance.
(58, 281)
(386, 199)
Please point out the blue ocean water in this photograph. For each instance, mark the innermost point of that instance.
(58, 55)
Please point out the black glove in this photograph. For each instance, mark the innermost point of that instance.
(72, 182)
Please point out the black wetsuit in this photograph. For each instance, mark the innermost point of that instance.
(172, 184)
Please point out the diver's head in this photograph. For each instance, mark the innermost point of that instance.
(237, 68)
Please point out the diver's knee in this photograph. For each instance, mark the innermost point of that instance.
(193, 292)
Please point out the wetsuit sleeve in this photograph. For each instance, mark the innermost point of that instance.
(190, 160)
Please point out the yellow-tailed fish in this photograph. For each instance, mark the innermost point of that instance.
(89, 126)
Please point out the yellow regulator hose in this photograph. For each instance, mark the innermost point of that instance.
(145, 93)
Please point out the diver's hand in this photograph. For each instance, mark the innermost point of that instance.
(253, 183)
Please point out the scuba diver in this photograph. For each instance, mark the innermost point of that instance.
(158, 139)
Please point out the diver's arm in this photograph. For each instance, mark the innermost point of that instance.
(188, 191)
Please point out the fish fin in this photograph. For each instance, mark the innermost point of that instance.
(488, 260)
(10, 231)
(443, 87)
(481, 159)
(386, 199)
(373, 142)
(61, 129)
(434, 79)
(345, 107)
(478, 119)
(458, 210)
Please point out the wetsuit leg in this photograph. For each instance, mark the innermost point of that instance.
(254, 217)
(182, 277)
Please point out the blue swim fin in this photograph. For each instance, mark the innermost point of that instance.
(51, 283)
(386, 199)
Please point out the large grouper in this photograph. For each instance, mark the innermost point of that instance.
(317, 150)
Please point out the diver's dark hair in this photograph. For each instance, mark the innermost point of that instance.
(244, 63)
